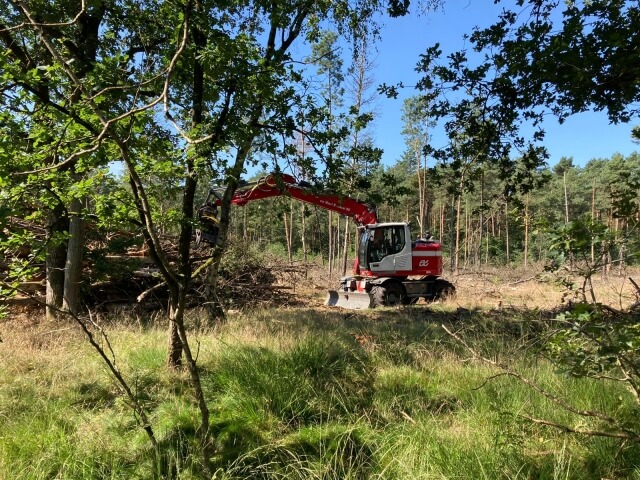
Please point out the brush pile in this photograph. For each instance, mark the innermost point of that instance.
(119, 274)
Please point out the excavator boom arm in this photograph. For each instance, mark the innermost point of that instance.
(282, 184)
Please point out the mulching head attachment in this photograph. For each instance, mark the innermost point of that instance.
(207, 216)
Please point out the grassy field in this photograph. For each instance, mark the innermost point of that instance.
(315, 393)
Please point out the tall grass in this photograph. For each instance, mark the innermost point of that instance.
(385, 394)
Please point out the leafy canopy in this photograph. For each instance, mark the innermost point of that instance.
(538, 58)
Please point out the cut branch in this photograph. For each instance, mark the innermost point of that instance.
(594, 433)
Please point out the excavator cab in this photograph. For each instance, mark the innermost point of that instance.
(379, 246)
(384, 261)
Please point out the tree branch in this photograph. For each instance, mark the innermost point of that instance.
(553, 398)
(593, 433)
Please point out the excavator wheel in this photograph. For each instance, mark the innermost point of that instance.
(388, 294)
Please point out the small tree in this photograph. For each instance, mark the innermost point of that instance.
(573, 244)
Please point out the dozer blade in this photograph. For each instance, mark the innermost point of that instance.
(349, 300)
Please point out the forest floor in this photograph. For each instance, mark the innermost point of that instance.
(493, 288)
(488, 289)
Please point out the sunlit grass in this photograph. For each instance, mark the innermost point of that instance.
(314, 393)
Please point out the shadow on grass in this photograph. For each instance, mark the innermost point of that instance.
(272, 404)
(400, 333)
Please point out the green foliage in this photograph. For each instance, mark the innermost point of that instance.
(598, 344)
(576, 237)
(537, 57)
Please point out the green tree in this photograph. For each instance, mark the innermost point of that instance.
(173, 91)
(538, 58)
(416, 133)
(362, 155)
(332, 130)
(51, 133)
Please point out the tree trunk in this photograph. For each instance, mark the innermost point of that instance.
(290, 241)
(175, 348)
(452, 235)
(616, 239)
(526, 232)
(179, 284)
(287, 235)
(73, 268)
(486, 253)
(345, 248)
(330, 243)
(441, 235)
(478, 254)
(593, 218)
(566, 198)
(467, 233)
(178, 348)
(422, 194)
(336, 248)
(245, 235)
(303, 238)
(457, 250)
(506, 229)
(55, 261)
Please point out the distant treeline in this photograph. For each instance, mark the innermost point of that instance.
(479, 220)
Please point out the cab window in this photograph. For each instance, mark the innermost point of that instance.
(398, 239)
(386, 241)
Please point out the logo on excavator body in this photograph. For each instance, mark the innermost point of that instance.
(423, 263)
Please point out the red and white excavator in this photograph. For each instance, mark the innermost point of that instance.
(390, 269)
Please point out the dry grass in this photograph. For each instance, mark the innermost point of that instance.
(535, 288)
(499, 287)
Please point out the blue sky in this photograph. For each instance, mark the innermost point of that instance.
(583, 137)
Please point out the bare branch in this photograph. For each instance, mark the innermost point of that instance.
(31, 24)
(122, 88)
(553, 398)
(147, 292)
(68, 161)
(581, 431)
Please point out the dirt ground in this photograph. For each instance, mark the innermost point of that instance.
(502, 287)
(487, 289)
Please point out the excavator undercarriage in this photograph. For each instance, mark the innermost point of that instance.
(362, 294)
